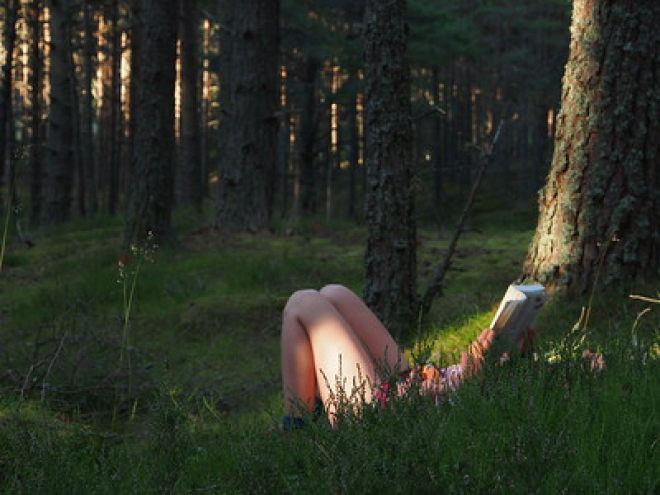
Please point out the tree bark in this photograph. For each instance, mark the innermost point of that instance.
(6, 85)
(353, 146)
(115, 122)
(190, 157)
(390, 258)
(35, 83)
(60, 148)
(250, 45)
(88, 156)
(436, 134)
(599, 218)
(307, 133)
(149, 213)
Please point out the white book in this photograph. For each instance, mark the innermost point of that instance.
(518, 309)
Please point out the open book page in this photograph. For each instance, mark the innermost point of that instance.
(518, 309)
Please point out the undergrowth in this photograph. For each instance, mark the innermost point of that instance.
(199, 407)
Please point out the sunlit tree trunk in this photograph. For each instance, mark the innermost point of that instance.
(249, 117)
(33, 18)
(60, 148)
(88, 156)
(76, 125)
(115, 131)
(390, 259)
(110, 117)
(152, 179)
(190, 155)
(207, 114)
(135, 39)
(284, 190)
(599, 218)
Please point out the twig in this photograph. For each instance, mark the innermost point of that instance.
(21, 235)
(50, 365)
(435, 286)
(431, 111)
(3, 241)
(644, 298)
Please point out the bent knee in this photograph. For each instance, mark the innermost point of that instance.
(336, 292)
(301, 299)
(339, 295)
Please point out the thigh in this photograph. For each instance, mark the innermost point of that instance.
(370, 330)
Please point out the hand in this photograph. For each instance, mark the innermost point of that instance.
(472, 361)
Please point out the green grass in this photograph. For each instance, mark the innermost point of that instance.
(199, 406)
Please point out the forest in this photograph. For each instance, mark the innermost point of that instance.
(171, 171)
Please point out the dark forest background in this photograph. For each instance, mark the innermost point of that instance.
(74, 132)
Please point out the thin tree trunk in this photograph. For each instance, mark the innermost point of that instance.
(436, 136)
(206, 107)
(190, 172)
(35, 83)
(116, 121)
(6, 90)
(247, 163)
(88, 156)
(354, 148)
(78, 180)
(307, 133)
(60, 147)
(284, 149)
(390, 258)
(149, 215)
(135, 66)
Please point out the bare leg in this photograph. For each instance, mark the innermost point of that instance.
(367, 326)
(319, 347)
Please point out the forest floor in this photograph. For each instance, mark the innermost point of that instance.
(158, 370)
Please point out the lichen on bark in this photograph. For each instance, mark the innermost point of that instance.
(600, 210)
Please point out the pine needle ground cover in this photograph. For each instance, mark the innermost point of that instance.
(180, 392)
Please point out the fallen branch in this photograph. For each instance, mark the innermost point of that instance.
(435, 287)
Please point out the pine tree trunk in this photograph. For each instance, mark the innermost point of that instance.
(60, 148)
(284, 151)
(6, 85)
(390, 259)
(307, 133)
(436, 134)
(354, 147)
(35, 83)
(115, 118)
(78, 181)
(152, 185)
(600, 209)
(190, 157)
(104, 103)
(88, 156)
(206, 107)
(249, 123)
(465, 133)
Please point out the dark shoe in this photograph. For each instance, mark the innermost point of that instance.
(290, 423)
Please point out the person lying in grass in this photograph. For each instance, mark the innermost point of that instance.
(333, 346)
